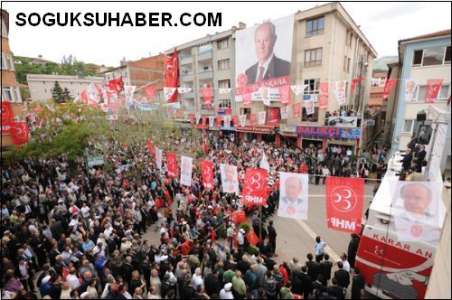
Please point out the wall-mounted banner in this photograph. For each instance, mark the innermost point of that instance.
(263, 56)
(284, 112)
(344, 207)
(433, 88)
(242, 120)
(229, 179)
(323, 95)
(186, 170)
(261, 117)
(309, 107)
(410, 90)
(171, 74)
(328, 132)
(296, 110)
(389, 86)
(293, 197)
(298, 89)
(340, 91)
(273, 115)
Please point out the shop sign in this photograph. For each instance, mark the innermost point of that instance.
(328, 132)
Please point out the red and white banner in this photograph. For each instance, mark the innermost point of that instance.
(207, 173)
(433, 88)
(273, 115)
(293, 195)
(344, 206)
(186, 170)
(7, 116)
(296, 110)
(261, 117)
(207, 94)
(255, 189)
(389, 86)
(355, 82)
(150, 147)
(19, 132)
(323, 95)
(340, 92)
(171, 73)
(253, 119)
(171, 164)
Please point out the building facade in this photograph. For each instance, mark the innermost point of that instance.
(342, 53)
(41, 85)
(421, 58)
(10, 87)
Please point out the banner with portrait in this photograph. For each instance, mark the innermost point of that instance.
(418, 211)
(229, 179)
(410, 90)
(207, 173)
(263, 58)
(186, 170)
(255, 188)
(293, 195)
(158, 158)
(171, 164)
(344, 205)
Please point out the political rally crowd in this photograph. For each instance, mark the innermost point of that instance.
(69, 231)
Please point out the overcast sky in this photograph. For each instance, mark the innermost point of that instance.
(383, 24)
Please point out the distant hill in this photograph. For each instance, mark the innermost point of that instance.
(381, 64)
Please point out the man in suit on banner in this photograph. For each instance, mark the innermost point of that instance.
(293, 201)
(268, 65)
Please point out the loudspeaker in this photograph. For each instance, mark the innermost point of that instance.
(421, 116)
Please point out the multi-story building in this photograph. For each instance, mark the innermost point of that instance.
(41, 85)
(208, 61)
(140, 72)
(421, 58)
(10, 87)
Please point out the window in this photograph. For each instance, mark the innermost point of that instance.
(347, 61)
(7, 94)
(349, 38)
(223, 64)
(408, 126)
(447, 56)
(204, 48)
(245, 111)
(315, 26)
(224, 103)
(433, 56)
(4, 62)
(224, 84)
(313, 57)
(205, 68)
(223, 44)
(422, 92)
(11, 62)
(444, 92)
(312, 86)
(417, 59)
(311, 118)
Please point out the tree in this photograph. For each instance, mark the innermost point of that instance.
(67, 95)
(57, 93)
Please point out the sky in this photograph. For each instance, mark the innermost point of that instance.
(383, 23)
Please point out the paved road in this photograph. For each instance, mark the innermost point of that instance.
(296, 238)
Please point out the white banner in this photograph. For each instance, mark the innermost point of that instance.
(211, 121)
(309, 107)
(339, 91)
(298, 89)
(242, 120)
(284, 112)
(293, 197)
(158, 158)
(264, 163)
(229, 179)
(168, 92)
(238, 98)
(227, 120)
(261, 117)
(224, 91)
(410, 90)
(186, 170)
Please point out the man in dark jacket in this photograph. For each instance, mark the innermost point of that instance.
(357, 284)
(306, 282)
(342, 277)
(212, 283)
(406, 161)
(325, 268)
(335, 291)
(272, 236)
(352, 249)
(313, 266)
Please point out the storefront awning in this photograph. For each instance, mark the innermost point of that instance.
(264, 129)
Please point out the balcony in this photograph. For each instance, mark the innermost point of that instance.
(186, 60)
(205, 55)
(186, 77)
(190, 95)
(340, 121)
(203, 75)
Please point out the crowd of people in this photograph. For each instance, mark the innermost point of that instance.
(69, 231)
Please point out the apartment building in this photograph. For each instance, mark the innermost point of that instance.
(208, 61)
(10, 87)
(328, 46)
(41, 85)
(421, 58)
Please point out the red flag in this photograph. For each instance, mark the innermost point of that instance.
(171, 164)
(207, 170)
(172, 75)
(253, 119)
(389, 85)
(344, 203)
(19, 131)
(252, 238)
(235, 121)
(273, 115)
(355, 82)
(205, 148)
(284, 92)
(150, 91)
(433, 88)
(238, 217)
(323, 95)
(207, 94)
(218, 121)
(255, 188)
(7, 116)
(150, 147)
(296, 110)
(116, 85)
